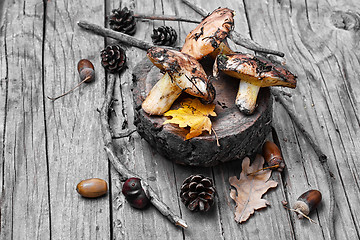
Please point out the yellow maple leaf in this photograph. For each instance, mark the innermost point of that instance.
(193, 114)
(250, 188)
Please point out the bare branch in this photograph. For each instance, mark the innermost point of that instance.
(166, 18)
(124, 172)
(124, 38)
(235, 36)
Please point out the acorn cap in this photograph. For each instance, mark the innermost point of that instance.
(308, 201)
(208, 35)
(185, 70)
(255, 70)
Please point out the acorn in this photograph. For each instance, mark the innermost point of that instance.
(272, 156)
(134, 193)
(92, 188)
(86, 72)
(307, 202)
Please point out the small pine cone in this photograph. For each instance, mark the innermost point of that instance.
(122, 20)
(164, 35)
(113, 58)
(197, 193)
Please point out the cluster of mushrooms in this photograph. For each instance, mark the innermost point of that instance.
(184, 73)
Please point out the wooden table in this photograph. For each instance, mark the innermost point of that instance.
(48, 147)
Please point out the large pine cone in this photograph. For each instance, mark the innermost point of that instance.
(197, 193)
(122, 20)
(113, 58)
(164, 35)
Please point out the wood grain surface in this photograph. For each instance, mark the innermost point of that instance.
(48, 147)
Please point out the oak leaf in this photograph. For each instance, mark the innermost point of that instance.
(193, 114)
(250, 188)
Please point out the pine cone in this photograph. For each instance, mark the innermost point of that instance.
(122, 20)
(113, 58)
(197, 193)
(164, 35)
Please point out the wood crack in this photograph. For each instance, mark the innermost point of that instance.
(5, 113)
(218, 206)
(247, 19)
(44, 116)
(283, 183)
(4, 126)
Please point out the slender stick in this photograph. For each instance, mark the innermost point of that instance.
(237, 37)
(54, 98)
(270, 167)
(301, 213)
(196, 8)
(124, 172)
(166, 17)
(321, 157)
(124, 38)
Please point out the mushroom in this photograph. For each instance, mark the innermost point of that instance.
(182, 73)
(209, 34)
(253, 72)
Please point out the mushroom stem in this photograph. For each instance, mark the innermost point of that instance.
(246, 97)
(161, 96)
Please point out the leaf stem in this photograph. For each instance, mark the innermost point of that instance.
(66, 93)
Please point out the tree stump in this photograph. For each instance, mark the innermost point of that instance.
(239, 135)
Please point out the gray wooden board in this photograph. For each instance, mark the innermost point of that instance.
(24, 197)
(129, 223)
(74, 142)
(324, 58)
(46, 148)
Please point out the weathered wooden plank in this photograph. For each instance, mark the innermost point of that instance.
(272, 223)
(326, 100)
(201, 225)
(3, 91)
(129, 223)
(75, 145)
(24, 196)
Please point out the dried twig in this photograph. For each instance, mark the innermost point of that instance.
(124, 38)
(301, 213)
(166, 17)
(123, 134)
(321, 157)
(235, 36)
(124, 172)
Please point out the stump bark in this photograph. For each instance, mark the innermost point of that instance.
(239, 135)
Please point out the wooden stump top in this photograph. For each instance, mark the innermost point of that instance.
(239, 135)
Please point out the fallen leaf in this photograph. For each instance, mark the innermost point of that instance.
(250, 188)
(193, 114)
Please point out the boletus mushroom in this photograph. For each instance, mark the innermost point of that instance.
(182, 73)
(210, 34)
(254, 72)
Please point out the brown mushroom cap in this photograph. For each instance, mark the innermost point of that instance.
(208, 35)
(255, 70)
(185, 70)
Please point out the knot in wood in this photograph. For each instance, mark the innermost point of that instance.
(323, 159)
(346, 20)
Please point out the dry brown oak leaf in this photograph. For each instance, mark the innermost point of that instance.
(250, 188)
(193, 114)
